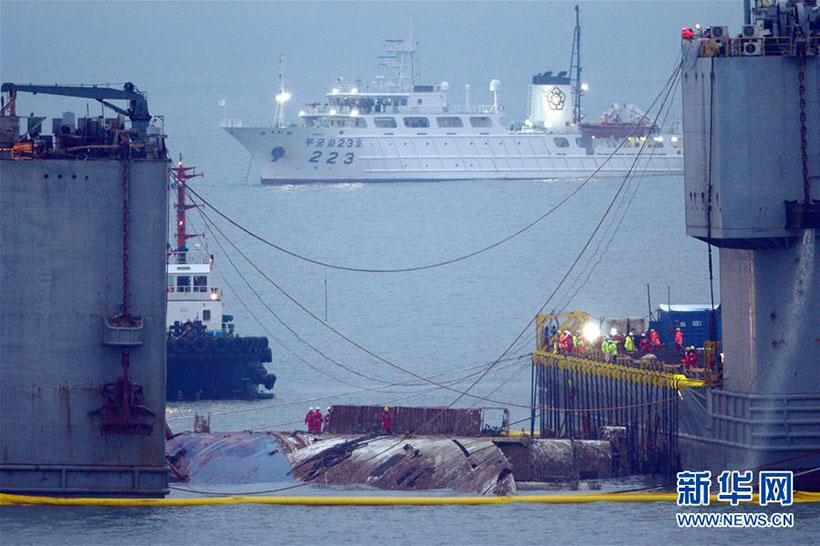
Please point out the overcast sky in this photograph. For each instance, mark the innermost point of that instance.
(231, 49)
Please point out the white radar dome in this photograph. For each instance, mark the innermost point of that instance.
(495, 85)
(444, 86)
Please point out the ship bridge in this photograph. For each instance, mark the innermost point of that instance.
(353, 108)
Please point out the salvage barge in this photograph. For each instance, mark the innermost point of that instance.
(752, 191)
(83, 220)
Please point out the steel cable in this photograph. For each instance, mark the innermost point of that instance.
(664, 93)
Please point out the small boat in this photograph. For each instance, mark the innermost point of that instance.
(206, 357)
(619, 121)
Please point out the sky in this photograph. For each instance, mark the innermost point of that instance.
(230, 49)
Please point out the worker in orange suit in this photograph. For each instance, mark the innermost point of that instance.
(678, 340)
(318, 419)
(655, 339)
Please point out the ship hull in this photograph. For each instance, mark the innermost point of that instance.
(724, 430)
(298, 155)
(209, 367)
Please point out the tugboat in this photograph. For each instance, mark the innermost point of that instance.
(206, 359)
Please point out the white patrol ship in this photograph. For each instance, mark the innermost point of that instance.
(396, 130)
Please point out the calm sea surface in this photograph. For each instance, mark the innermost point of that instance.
(430, 322)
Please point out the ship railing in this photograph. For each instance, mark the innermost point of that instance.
(214, 293)
(325, 110)
(480, 109)
(621, 367)
(183, 257)
(231, 123)
(649, 362)
(759, 46)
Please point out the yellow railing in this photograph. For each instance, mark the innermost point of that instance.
(617, 371)
(573, 322)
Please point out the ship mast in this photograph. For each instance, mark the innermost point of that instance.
(181, 175)
(575, 69)
(281, 97)
(400, 62)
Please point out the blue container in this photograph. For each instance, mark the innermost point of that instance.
(694, 321)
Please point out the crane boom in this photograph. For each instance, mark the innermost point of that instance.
(137, 104)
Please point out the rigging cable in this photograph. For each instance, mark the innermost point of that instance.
(713, 325)
(276, 315)
(466, 392)
(386, 384)
(258, 407)
(586, 245)
(611, 235)
(261, 324)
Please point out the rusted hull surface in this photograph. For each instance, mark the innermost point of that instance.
(233, 457)
(466, 465)
(406, 420)
(559, 460)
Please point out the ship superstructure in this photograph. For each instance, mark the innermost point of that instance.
(83, 223)
(395, 129)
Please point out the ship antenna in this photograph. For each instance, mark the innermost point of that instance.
(281, 97)
(575, 68)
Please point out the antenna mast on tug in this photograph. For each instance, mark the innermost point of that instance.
(181, 175)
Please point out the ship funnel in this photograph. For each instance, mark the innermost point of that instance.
(549, 104)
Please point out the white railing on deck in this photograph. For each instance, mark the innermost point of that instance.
(403, 110)
(182, 257)
(231, 122)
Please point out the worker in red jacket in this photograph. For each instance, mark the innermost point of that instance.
(570, 342)
(678, 340)
(318, 419)
(645, 345)
(562, 341)
(387, 421)
(692, 358)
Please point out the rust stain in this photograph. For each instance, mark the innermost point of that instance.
(466, 465)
